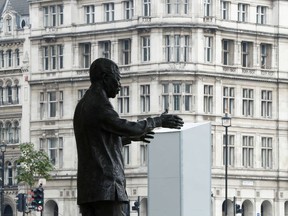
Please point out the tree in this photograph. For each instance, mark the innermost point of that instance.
(33, 164)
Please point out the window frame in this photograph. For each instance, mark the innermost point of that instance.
(89, 14)
(248, 151)
(145, 98)
(109, 12)
(145, 47)
(208, 49)
(243, 12)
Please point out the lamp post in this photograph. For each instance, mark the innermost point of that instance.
(3, 149)
(226, 122)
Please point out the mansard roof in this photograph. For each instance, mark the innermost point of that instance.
(20, 6)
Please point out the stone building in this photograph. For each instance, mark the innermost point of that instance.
(199, 59)
(14, 90)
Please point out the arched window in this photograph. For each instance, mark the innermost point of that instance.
(23, 23)
(9, 173)
(8, 211)
(16, 91)
(16, 132)
(51, 208)
(266, 208)
(9, 132)
(9, 92)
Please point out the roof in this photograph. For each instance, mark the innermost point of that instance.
(2, 3)
(20, 6)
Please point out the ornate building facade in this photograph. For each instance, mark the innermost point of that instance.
(199, 59)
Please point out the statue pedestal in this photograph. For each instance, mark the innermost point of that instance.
(179, 171)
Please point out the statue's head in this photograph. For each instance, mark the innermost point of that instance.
(106, 71)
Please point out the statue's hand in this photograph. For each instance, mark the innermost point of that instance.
(145, 138)
(171, 121)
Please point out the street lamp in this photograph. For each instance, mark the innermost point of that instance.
(3, 149)
(226, 122)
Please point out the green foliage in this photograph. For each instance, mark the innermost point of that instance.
(33, 163)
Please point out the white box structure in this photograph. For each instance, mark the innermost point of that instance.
(179, 171)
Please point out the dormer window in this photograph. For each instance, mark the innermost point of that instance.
(9, 24)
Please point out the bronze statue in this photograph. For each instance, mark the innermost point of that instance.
(100, 134)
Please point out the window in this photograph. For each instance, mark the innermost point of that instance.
(9, 58)
(51, 104)
(208, 99)
(128, 9)
(126, 155)
(145, 98)
(176, 7)
(247, 54)
(208, 49)
(225, 10)
(227, 52)
(1, 95)
(146, 8)
(2, 131)
(17, 56)
(85, 56)
(2, 59)
(53, 57)
(16, 132)
(228, 100)
(176, 96)
(52, 149)
(188, 97)
(207, 8)
(265, 55)
(143, 154)
(247, 102)
(230, 150)
(8, 24)
(53, 15)
(9, 94)
(266, 152)
(186, 6)
(242, 12)
(261, 15)
(9, 132)
(177, 48)
(55, 151)
(165, 96)
(125, 49)
(123, 100)
(180, 94)
(81, 93)
(89, 12)
(145, 48)
(109, 12)
(186, 48)
(105, 49)
(10, 173)
(247, 151)
(266, 104)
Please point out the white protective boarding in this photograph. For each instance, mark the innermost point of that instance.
(179, 171)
